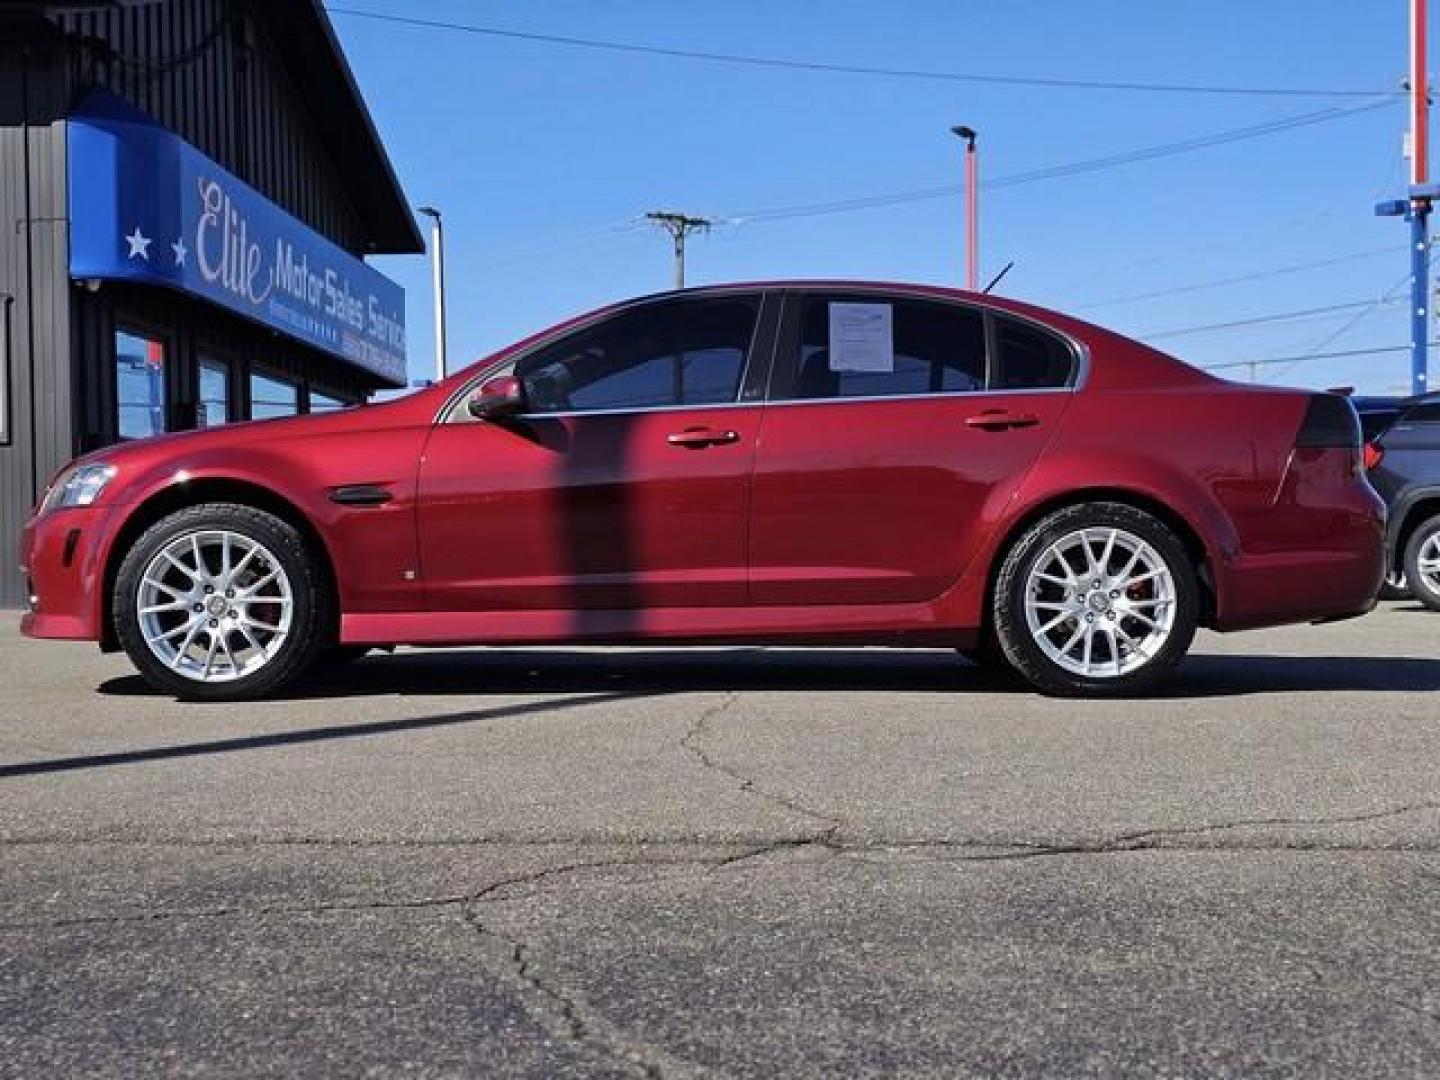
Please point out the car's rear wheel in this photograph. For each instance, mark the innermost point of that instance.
(1422, 563)
(221, 602)
(1099, 599)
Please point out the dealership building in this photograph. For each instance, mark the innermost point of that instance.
(188, 189)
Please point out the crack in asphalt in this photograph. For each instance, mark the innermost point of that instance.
(562, 1013)
(693, 741)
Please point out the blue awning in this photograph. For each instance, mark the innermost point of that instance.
(147, 206)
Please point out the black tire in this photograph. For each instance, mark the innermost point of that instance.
(338, 656)
(1012, 628)
(1423, 587)
(986, 653)
(312, 618)
(1395, 586)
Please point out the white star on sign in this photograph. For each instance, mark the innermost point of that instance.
(139, 245)
(180, 250)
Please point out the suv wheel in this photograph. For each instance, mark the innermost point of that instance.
(1422, 563)
(221, 602)
(1098, 600)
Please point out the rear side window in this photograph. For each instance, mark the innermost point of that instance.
(1028, 358)
(1375, 422)
(868, 346)
(674, 353)
(1426, 413)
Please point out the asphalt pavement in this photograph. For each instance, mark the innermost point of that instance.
(728, 862)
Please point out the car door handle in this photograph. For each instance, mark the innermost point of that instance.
(697, 438)
(999, 420)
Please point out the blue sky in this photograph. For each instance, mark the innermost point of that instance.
(543, 156)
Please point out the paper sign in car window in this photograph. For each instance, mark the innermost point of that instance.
(862, 337)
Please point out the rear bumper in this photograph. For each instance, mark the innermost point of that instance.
(1309, 560)
(61, 555)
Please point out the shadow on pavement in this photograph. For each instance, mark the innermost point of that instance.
(532, 671)
(304, 735)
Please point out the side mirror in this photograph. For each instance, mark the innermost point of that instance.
(498, 398)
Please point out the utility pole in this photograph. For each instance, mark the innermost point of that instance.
(1415, 208)
(679, 226)
(972, 205)
(437, 262)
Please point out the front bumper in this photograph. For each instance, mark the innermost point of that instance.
(62, 558)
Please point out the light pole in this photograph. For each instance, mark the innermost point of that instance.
(972, 205)
(437, 264)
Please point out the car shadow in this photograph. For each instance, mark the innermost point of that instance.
(536, 671)
(300, 736)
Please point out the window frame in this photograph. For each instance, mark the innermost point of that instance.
(754, 375)
(783, 372)
(138, 328)
(217, 358)
(259, 372)
(341, 403)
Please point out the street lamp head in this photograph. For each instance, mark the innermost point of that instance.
(429, 211)
(966, 133)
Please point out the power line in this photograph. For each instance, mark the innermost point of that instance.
(1352, 322)
(1279, 316)
(1259, 275)
(851, 69)
(1127, 157)
(1307, 356)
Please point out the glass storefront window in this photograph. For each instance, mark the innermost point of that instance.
(325, 402)
(139, 385)
(270, 397)
(214, 404)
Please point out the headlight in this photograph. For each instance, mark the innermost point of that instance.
(79, 486)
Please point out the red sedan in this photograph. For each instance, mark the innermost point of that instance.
(819, 463)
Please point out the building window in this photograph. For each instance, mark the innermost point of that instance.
(213, 407)
(139, 385)
(270, 397)
(325, 402)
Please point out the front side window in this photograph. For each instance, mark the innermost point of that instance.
(214, 403)
(874, 347)
(672, 354)
(271, 397)
(139, 385)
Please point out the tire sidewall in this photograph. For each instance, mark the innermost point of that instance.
(1013, 629)
(1420, 587)
(309, 615)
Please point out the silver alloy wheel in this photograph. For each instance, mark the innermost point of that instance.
(1428, 562)
(214, 605)
(1100, 602)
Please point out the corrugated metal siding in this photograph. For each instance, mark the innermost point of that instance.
(207, 70)
(33, 259)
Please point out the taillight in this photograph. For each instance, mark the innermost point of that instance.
(1374, 455)
(1330, 423)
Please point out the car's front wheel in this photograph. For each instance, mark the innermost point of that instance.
(1422, 563)
(1099, 599)
(221, 602)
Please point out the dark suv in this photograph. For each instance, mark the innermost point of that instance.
(1402, 453)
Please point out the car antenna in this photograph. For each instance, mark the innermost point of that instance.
(996, 279)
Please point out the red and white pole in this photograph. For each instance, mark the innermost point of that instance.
(972, 217)
(972, 206)
(1419, 97)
